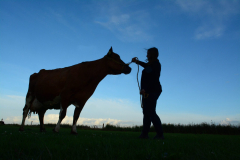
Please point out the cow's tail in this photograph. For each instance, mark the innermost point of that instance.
(29, 99)
(30, 94)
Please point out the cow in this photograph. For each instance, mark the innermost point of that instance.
(59, 88)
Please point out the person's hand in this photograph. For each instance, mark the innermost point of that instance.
(134, 60)
(142, 92)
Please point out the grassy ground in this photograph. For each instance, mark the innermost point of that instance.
(98, 144)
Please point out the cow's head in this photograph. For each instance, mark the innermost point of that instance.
(115, 64)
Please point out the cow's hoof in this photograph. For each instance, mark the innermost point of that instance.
(74, 133)
(54, 130)
(21, 129)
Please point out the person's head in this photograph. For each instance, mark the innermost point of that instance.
(152, 54)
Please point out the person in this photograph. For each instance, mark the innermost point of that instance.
(150, 91)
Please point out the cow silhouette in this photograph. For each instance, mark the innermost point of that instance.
(59, 88)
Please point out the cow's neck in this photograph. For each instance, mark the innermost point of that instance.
(100, 69)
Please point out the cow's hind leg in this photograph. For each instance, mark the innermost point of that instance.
(29, 100)
(25, 112)
(41, 120)
(77, 112)
(62, 114)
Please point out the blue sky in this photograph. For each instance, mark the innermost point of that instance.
(198, 42)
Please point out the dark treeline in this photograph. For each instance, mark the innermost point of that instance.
(203, 128)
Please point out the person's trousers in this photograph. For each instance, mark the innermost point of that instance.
(150, 115)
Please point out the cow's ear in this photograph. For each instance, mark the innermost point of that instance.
(110, 52)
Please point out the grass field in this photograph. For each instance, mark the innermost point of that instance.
(99, 144)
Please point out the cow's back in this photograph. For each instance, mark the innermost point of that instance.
(50, 83)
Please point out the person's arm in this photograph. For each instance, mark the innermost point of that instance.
(144, 65)
(135, 60)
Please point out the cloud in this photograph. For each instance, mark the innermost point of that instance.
(217, 9)
(214, 16)
(122, 109)
(95, 112)
(124, 29)
(98, 111)
(192, 6)
(204, 32)
(53, 118)
(227, 121)
(186, 118)
(127, 26)
(62, 19)
(172, 118)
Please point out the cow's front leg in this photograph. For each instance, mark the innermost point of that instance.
(77, 112)
(62, 114)
(41, 120)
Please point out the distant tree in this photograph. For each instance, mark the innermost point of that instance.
(2, 122)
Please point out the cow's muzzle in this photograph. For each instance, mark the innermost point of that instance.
(127, 69)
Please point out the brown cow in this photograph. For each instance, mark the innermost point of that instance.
(59, 88)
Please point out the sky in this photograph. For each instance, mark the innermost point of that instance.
(198, 43)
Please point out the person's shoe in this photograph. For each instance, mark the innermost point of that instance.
(158, 137)
(143, 137)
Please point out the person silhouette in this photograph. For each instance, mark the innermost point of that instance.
(150, 91)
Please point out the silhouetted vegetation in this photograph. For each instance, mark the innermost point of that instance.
(203, 128)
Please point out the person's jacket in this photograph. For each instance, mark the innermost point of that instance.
(150, 76)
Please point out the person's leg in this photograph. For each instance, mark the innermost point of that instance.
(153, 115)
(146, 126)
(157, 125)
(146, 119)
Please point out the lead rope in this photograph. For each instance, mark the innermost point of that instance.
(139, 86)
(138, 83)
